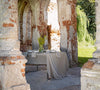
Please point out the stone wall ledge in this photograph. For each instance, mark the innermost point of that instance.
(91, 68)
(90, 73)
(92, 63)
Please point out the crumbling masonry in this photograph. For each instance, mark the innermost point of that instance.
(21, 23)
(24, 20)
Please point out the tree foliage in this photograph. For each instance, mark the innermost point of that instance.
(82, 23)
(89, 8)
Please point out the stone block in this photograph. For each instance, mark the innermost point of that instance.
(42, 67)
(30, 68)
(90, 75)
(10, 76)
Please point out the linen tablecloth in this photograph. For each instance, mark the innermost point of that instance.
(57, 65)
(37, 58)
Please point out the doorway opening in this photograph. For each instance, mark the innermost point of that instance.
(53, 23)
(25, 26)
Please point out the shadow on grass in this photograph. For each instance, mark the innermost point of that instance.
(82, 60)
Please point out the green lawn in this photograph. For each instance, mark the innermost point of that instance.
(85, 53)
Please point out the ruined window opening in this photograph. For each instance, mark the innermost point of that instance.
(25, 27)
(53, 26)
(27, 38)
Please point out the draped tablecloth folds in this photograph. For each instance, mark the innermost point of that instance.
(57, 65)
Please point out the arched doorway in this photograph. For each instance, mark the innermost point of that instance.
(25, 28)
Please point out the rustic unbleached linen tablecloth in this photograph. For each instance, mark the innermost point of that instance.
(57, 65)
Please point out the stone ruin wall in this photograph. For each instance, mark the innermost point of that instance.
(12, 62)
(90, 72)
(38, 22)
(67, 22)
(68, 28)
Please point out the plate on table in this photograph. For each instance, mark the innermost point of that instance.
(35, 51)
(29, 51)
(47, 51)
(52, 51)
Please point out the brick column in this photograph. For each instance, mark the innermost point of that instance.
(12, 62)
(68, 29)
(90, 72)
(96, 54)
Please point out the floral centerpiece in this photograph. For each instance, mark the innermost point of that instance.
(41, 41)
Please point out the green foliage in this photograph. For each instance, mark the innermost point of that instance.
(41, 41)
(86, 29)
(82, 23)
(89, 8)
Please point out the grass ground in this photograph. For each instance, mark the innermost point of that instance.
(84, 53)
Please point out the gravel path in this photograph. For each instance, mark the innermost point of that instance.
(38, 81)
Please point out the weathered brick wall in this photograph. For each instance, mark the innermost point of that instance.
(38, 23)
(12, 62)
(68, 24)
(25, 25)
(8, 31)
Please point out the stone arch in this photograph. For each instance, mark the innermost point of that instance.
(27, 32)
(21, 6)
(25, 28)
(12, 60)
(67, 23)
